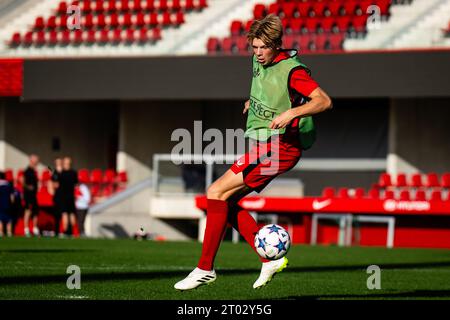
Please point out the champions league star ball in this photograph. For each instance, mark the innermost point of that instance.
(272, 242)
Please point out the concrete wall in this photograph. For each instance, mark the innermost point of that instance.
(419, 135)
(86, 131)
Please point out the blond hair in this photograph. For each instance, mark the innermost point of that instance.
(269, 30)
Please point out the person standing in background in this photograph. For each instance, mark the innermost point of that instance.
(83, 200)
(56, 192)
(30, 187)
(6, 199)
(68, 179)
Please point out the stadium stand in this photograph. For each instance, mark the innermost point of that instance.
(310, 26)
(103, 22)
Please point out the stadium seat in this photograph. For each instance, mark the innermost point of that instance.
(445, 183)
(227, 45)
(296, 25)
(436, 195)
(83, 175)
(242, 44)
(343, 193)
(336, 41)
(62, 8)
(389, 195)
(122, 177)
(236, 28)
(311, 24)
(9, 175)
(174, 6)
(350, 7)
(405, 195)
(334, 8)
(111, 6)
(328, 192)
(326, 24)
(16, 40)
(385, 180)
(359, 23)
(432, 180)
(109, 176)
(359, 193)
(343, 23)
(136, 6)
(39, 23)
(416, 181)
(420, 195)
(213, 45)
(274, 8)
(303, 9)
(96, 176)
(318, 9)
(289, 10)
(259, 11)
(374, 193)
(401, 180)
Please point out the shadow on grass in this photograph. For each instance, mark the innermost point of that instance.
(149, 275)
(428, 294)
(45, 250)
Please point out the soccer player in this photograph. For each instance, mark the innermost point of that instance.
(282, 100)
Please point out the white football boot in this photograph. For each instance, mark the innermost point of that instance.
(196, 278)
(268, 270)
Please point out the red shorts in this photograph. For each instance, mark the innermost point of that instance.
(267, 160)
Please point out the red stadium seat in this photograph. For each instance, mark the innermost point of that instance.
(189, 5)
(436, 195)
(432, 180)
(385, 180)
(64, 37)
(401, 180)
(143, 36)
(162, 6)
(213, 45)
(259, 11)
(9, 175)
(343, 193)
(236, 28)
(126, 20)
(179, 18)
(51, 23)
(39, 23)
(311, 24)
(327, 23)
(359, 193)
(350, 7)
(334, 7)
(100, 21)
(123, 6)
(359, 23)
(16, 40)
(304, 9)
(288, 41)
(62, 8)
(156, 34)
(384, 6)
(420, 195)
(296, 25)
(83, 175)
(130, 36)
(274, 8)
(289, 10)
(175, 5)
(405, 195)
(320, 42)
(117, 36)
(202, 4)
(28, 38)
(61, 22)
(445, 180)
(319, 9)
(86, 6)
(96, 176)
(41, 39)
(113, 20)
(153, 19)
(416, 180)
(91, 37)
(388, 195)
(88, 21)
(136, 6)
(374, 193)
(122, 177)
(305, 42)
(343, 23)
(98, 6)
(166, 19)
(336, 41)
(111, 6)
(104, 36)
(363, 5)
(109, 176)
(328, 192)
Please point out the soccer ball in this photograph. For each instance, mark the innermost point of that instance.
(272, 242)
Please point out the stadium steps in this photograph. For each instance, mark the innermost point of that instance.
(24, 16)
(402, 16)
(218, 24)
(426, 32)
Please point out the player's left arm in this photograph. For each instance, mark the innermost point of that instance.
(319, 102)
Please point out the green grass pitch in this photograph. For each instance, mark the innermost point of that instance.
(130, 269)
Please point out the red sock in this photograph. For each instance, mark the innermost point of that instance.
(216, 223)
(243, 222)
